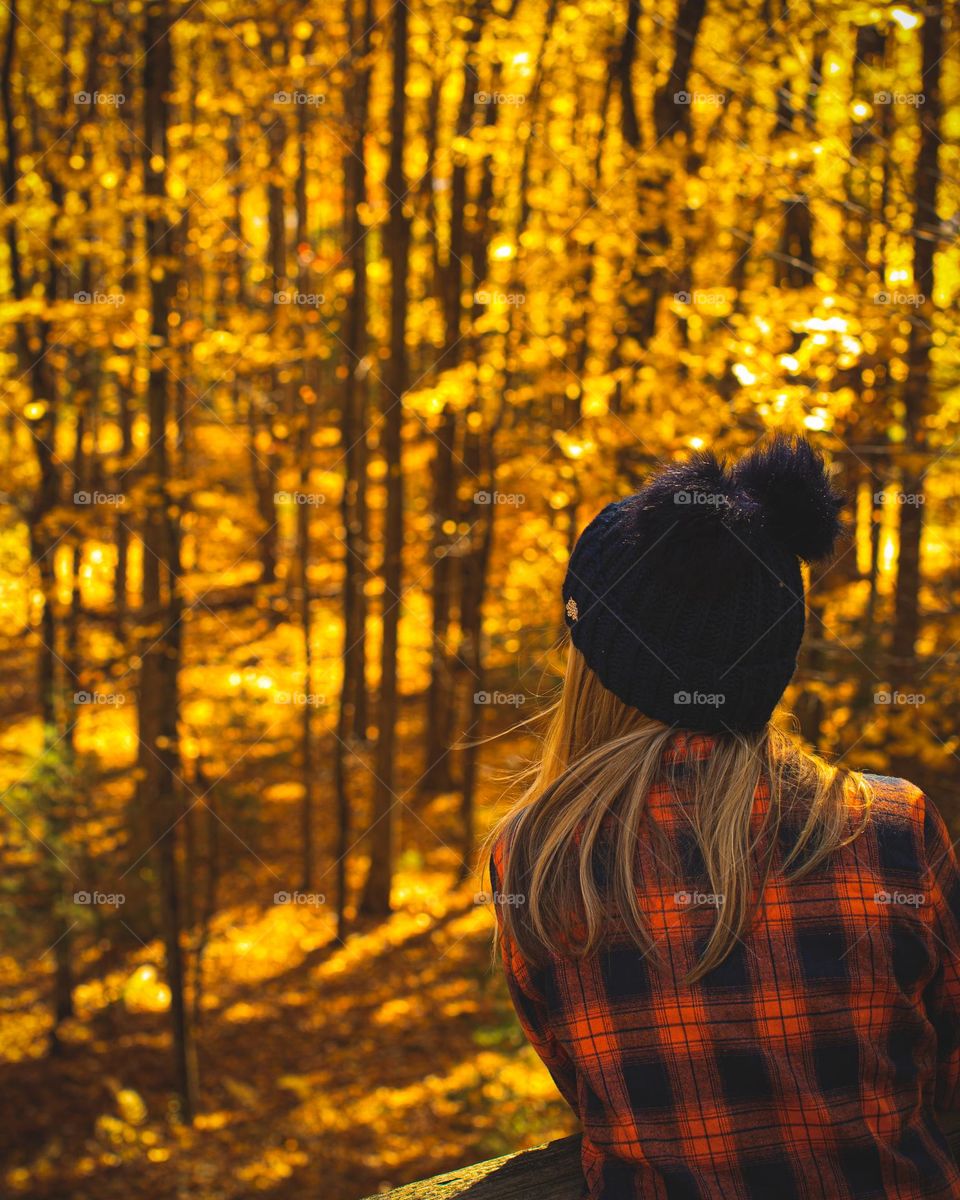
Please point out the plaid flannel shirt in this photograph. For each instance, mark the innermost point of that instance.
(809, 1064)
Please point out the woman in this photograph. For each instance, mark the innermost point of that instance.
(740, 964)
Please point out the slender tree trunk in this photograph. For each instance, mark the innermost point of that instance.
(354, 420)
(870, 51)
(876, 476)
(160, 794)
(34, 364)
(479, 456)
(236, 213)
(352, 711)
(440, 705)
(916, 391)
(305, 413)
(61, 813)
(205, 787)
(480, 445)
(122, 532)
(284, 315)
(426, 198)
(671, 112)
(622, 69)
(261, 473)
(376, 897)
(437, 776)
(71, 649)
(307, 738)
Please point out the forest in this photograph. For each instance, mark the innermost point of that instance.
(326, 328)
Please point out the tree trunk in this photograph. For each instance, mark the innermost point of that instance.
(440, 707)
(354, 418)
(262, 475)
(33, 362)
(670, 110)
(160, 794)
(916, 391)
(306, 740)
(622, 68)
(305, 413)
(351, 713)
(475, 567)
(376, 897)
(122, 531)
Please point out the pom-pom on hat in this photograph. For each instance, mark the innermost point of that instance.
(686, 599)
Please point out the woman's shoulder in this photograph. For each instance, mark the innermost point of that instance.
(895, 799)
(898, 816)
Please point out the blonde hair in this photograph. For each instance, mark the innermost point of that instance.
(601, 757)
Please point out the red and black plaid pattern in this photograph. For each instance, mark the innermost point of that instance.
(809, 1064)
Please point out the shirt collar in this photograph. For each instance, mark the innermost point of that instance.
(686, 744)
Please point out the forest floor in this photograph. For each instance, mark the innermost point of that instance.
(327, 1070)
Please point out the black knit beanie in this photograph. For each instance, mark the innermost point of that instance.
(686, 599)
